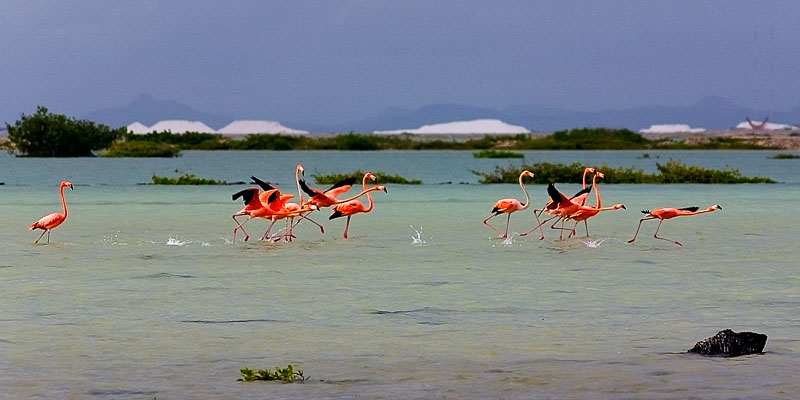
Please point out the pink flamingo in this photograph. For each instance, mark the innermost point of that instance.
(587, 212)
(51, 221)
(509, 206)
(662, 214)
(353, 207)
(561, 207)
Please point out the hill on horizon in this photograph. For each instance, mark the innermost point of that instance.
(710, 113)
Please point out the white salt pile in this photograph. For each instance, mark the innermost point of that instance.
(671, 128)
(254, 126)
(138, 127)
(181, 126)
(465, 127)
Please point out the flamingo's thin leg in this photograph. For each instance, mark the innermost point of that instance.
(239, 226)
(655, 235)
(539, 225)
(346, 227)
(40, 236)
(486, 222)
(631, 240)
(508, 221)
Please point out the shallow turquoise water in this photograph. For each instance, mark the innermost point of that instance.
(140, 294)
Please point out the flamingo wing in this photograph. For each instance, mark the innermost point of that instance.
(342, 186)
(345, 209)
(263, 185)
(558, 198)
(247, 195)
(504, 206)
(49, 221)
(692, 209)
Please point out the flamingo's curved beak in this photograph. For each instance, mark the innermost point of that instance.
(623, 207)
(72, 188)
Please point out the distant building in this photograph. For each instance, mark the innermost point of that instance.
(243, 127)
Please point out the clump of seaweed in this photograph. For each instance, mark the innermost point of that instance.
(287, 375)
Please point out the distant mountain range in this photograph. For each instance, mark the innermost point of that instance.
(711, 113)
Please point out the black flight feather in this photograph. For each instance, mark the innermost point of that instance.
(309, 191)
(246, 195)
(335, 214)
(272, 197)
(554, 193)
(587, 189)
(263, 185)
(692, 209)
(344, 182)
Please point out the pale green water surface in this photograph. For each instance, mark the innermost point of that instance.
(141, 295)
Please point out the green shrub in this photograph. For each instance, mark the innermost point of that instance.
(45, 134)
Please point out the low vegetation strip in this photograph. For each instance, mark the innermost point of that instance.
(381, 178)
(672, 171)
(497, 154)
(185, 179)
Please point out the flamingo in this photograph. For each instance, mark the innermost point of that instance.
(667, 213)
(328, 197)
(253, 208)
(352, 207)
(561, 207)
(279, 208)
(51, 221)
(580, 199)
(585, 213)
(509, 206)
(555, 208)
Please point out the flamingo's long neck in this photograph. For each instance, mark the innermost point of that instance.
(363, 192)
(369, 196)
(597, 202)
(297, 181)
(63, 202)
(527, 196)
(585, 171)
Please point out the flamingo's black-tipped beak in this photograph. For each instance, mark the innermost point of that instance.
(719, 206)
(385, 190)
(72, 188)
(623, 207)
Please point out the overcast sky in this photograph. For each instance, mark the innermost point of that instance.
(334, 61)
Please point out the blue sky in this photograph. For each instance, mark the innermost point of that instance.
(334, 61)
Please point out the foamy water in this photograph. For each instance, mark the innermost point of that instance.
(140, 294)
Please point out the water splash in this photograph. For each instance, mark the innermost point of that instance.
(417, 237)
(510, 239)
(113, 240)
(175, 242)
(594, 243)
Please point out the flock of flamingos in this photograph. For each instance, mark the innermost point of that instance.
(268, 203)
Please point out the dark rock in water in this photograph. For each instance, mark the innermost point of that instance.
(728, 343)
